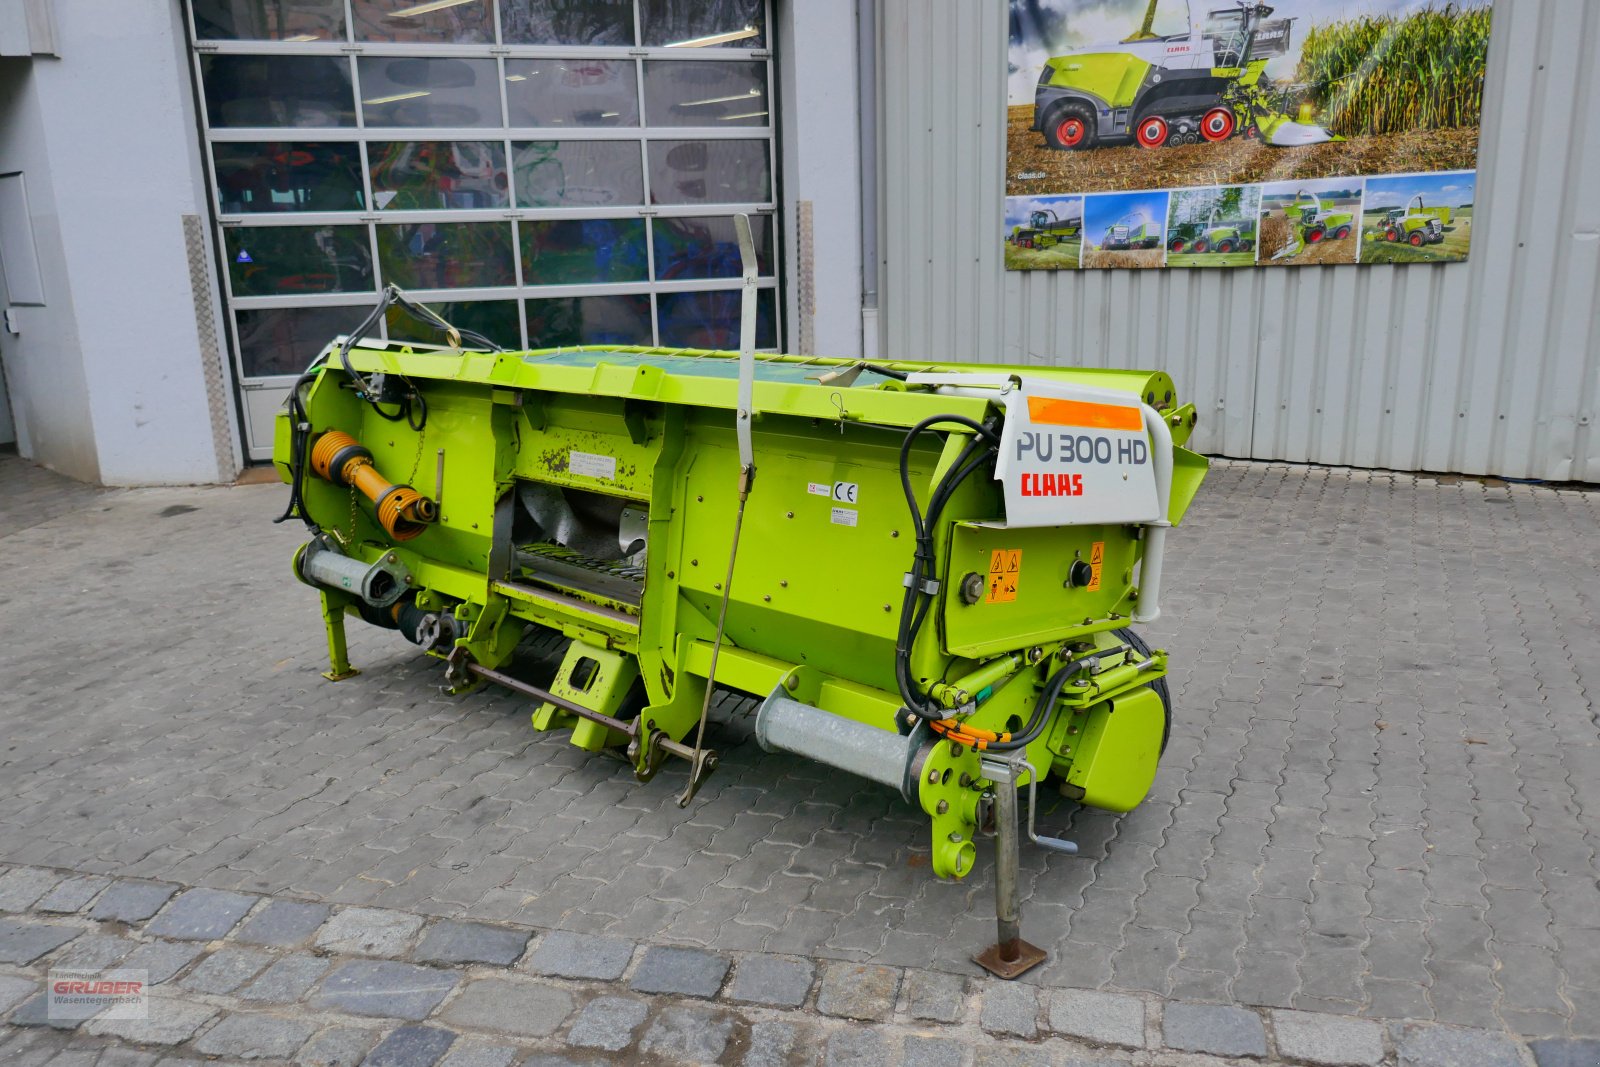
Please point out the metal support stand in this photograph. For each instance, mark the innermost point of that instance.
(338, 653)
(1010, 956)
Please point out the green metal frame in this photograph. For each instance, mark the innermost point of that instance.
(816, 593)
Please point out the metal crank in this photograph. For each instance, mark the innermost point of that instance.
(1010, 956)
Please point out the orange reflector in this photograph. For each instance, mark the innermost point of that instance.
(1055, 412)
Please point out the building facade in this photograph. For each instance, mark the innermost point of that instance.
(195, 195)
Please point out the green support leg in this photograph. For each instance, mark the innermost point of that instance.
(338, 653)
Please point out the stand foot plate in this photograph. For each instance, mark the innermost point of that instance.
(1025, 957)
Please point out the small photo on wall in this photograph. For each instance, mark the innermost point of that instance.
(1310, 222)
(1214, 227)
(1043, 232)
(1418, 218)
(1125, 230)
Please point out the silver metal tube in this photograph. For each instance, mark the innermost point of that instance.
(1148, 608)
(1007, 855)
(880, 756)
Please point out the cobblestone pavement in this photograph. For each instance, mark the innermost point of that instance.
(242, 977)
(1375, 802)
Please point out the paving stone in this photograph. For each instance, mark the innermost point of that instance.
(20, 887)
(163, 959)
(14, 991)
(1010, 1008)
(858, 991)
(607, 1023)
(24, 942)
(858, 1046)
(688, 1034)
(688, 972)
(772, 1044)
(255, 1037)
(287, 980)
(448, 941)
(35, 1011)
(775, 981)
(385, 989)
(73, 894)
(225, 970)
(94, 952)
(200, 915)
(170, 1022)
(131, 902)
(935, 995)
(339, 1046)
(1218, 1030)
(282, 923)
(1330, 1040)
(569, 955)
(935, 1052)
(1104, 1018)
(1564, 1053)
(411, 1046)
(1442, 1046)
(369, 932)
(997, 1055)
(128, 1057)
(468, 1053)
(510, 1006)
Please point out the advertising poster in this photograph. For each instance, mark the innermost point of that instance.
(1228, 133)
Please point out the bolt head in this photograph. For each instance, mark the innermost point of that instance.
(943, 807)
(933, 777)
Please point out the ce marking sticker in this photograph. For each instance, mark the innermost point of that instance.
(846, 492)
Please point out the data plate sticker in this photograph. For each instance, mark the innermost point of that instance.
(591, 465)
(843, 516)
(1072, 455)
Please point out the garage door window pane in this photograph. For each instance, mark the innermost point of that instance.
(269, 20)
(711, 320)
(589, 320)
(287, 176)
(285, 340)
(577, 173)
(495, 319)
(592, 22)
(409, 91)
(277, 90)
(424, 21)
(678, 93)
(709, 172)
(581, 251)
(446, 255)
(433, 175)
(703, 23)
(290, 260)
(572, 92)
(707, 247)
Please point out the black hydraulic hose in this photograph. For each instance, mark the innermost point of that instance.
(1048, 697)
(914, 607)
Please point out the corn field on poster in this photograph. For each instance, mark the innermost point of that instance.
(1284, 134)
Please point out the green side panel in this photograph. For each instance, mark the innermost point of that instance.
(1114, 77)
(1114, 760)
(1044, 607)
(1188, 471)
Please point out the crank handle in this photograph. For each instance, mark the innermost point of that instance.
(1054, 844)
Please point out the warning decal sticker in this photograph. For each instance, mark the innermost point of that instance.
(1097, 554)
(1005, 572)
